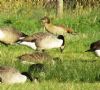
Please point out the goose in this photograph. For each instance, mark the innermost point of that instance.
(43, 40)
(58, 30)
(11, 75)
(34, 58)
(9, 35)
(95, 47)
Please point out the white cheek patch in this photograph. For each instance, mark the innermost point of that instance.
(97, 52)
(2, 35)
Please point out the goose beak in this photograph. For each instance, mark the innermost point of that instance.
(61, 49)
(42, 22)
(42, 19)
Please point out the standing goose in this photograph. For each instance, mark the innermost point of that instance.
(95, 47)
(36, 57)
(42, 41)
(10, 75)
(9, 35)
(57, 30)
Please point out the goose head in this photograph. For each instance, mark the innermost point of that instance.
(95, 47)
(45, 20)
(61, 37)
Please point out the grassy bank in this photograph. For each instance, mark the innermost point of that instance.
(76, 69)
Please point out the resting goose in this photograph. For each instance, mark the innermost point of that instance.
(95, 47)
(9, 35)
(36, 57)
(43, 41)
(11, 75)
(57, 30)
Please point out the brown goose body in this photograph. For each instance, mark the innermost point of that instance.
(37, 36)
(54, 29)
(9, 35)
(37, 57)
(10, 75)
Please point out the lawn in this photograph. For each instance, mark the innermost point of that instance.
(75, 69)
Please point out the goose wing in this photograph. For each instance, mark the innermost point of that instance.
(36, 36)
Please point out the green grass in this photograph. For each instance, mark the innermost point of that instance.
(52, 85)
(75, 70)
